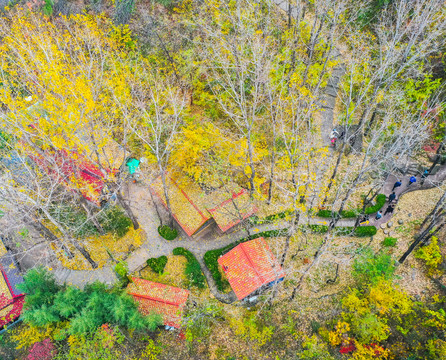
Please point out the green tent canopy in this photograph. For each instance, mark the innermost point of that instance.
(133, 165)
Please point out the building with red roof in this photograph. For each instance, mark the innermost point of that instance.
(11, 299)
(250, 266)
(194, 209)
(152, 297)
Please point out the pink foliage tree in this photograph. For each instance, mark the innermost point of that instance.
(43, 350)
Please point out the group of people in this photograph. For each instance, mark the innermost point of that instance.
(392, 196)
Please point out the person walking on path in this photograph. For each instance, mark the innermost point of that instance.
(379, 215)
(389, 210)
(333, 137)
(392, 197)
(412, 180)
(424, 176)
(397, 184)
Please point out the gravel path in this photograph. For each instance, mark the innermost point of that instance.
(155, 245)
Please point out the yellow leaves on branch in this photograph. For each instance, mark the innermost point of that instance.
(73, 73)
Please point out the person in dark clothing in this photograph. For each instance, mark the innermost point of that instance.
(389, 210)
(392, 197)
(397, 184)
(412, 180)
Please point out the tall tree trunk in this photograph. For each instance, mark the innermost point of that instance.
(290, 234)
(84, 253)
(251, 164)
(91, 216)
(422, 238)
(166, 196)
(156, 205)
(370, 124)
(273, 151)
(127, 209)
(333, 175)
(437, 157)
(74, 242)
(367, 201)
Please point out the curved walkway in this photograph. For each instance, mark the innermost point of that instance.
(156, 246)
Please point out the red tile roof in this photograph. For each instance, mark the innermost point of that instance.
(11, 304)
(165, 300)
(249, 266)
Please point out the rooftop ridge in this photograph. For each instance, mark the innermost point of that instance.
(262, 279)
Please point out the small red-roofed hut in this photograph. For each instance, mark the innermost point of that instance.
(11, 299)
(250, 266)
(152, 297)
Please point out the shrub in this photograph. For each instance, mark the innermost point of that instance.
(318, 229)
(211, 261)
(122, 270)
(157, 264)
(43, 350)
(281, 215)
(326, 213)
(363, 231)
(343, 230)
(431, 255)
(350, 213)
(380, 201)
(193, 268)
(116, 222)
(167, 232)
(371, 267)
(389, 241)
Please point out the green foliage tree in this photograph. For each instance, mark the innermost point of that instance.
(369, 268)
(85, 310)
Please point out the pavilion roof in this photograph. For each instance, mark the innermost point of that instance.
(11, 300)
(187, 211)
(168, 301)
(249, 266)
(192, 207)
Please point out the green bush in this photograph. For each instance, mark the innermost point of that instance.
(363, 231)
(122, 270)
(389, 241)
(380, 201)
(318, 229)
(167, 232)
(349, 213)
(255, 220)
(371, 267)
(343, 230)
(193, 269)
(116, 222)
(157, 264)
(281, 215)
(326, 213)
